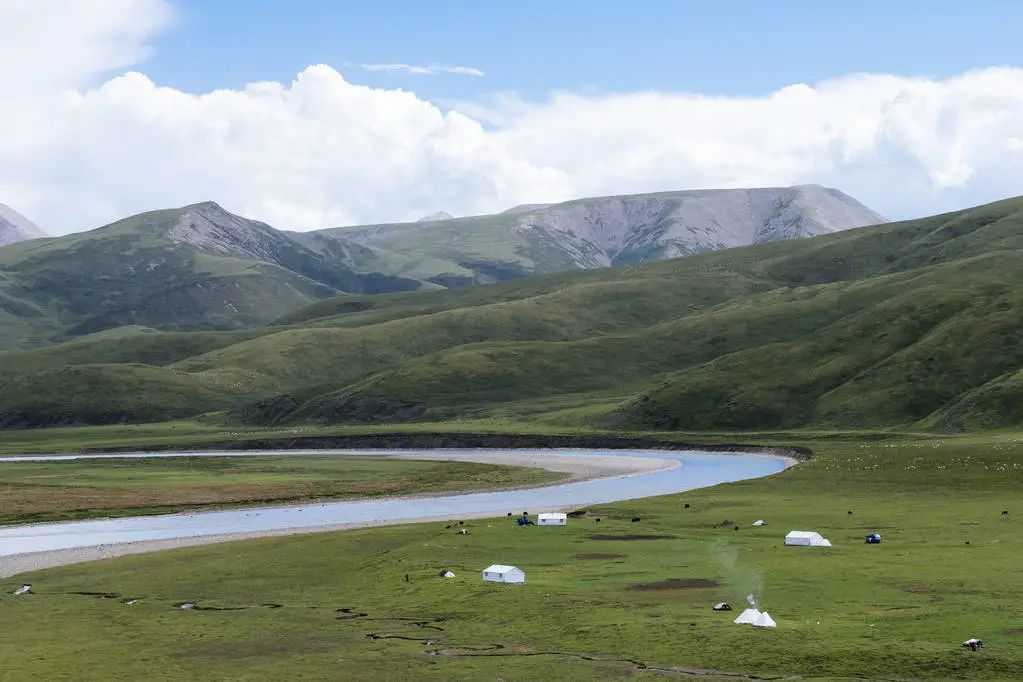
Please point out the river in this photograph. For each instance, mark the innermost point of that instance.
(660, 473)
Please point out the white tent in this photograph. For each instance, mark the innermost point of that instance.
(806, 538)
(499, 573)
(759, 522)
(747, 617)
(765, 621)
(552, 519)
(446, 574)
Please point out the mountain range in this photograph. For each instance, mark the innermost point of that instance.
(910, 325)
(202, 267)
(594, 232)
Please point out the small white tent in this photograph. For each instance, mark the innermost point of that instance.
(806, 538)
(552, 519)
(765, 621)
(747, 617)
(499, 573)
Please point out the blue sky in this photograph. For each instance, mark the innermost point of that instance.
(531, 48)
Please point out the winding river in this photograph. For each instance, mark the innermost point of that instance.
(654, 472)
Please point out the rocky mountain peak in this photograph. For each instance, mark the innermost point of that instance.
(636, 228)
(14, 227)
(210, 228)
(439, 215)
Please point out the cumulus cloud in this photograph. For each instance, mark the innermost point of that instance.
(82, 148)
(420, 70)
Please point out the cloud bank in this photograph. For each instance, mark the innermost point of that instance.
(83, 147)
(431, 70)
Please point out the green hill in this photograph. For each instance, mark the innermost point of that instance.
(197, 267)
(910, 324)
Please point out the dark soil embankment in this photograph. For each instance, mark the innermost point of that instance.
(403, 441)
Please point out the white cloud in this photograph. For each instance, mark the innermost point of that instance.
(321, 150)
(421, 70)
(56, 43)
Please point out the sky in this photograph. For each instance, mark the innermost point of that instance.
(313, 113)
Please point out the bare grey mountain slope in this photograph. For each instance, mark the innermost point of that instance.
(439, 215)
(648, 227)
(599, 232)
(209, 228)
(15, 227)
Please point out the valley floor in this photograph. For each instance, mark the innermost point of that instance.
(605, 601)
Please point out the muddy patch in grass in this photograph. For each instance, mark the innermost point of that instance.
(348, 614)
(596, 556)
(630, 538)
(675, 584)
(100, 595)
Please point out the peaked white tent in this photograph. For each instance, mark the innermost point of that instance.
(498, 573)
(748, 617)
(765, 621)
(806, 538)
(552, 519)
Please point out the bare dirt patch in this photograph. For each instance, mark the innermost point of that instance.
(676, 584)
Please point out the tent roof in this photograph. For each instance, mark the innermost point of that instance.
(803, 534)
(553, 515)
(501, 568)
(747, 617)
(765, 621)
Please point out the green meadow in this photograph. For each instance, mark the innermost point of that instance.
(603, 600)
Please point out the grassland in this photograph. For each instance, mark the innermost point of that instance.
(79, 489)
(597, 604)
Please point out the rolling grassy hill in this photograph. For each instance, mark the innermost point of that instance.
(910, 324)
(197, 267)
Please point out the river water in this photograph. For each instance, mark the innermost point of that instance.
(694, 469)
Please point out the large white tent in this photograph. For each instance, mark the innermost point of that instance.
(806, 538)
(756, 618)
(498, 573)
(552, 519)
(747, 617)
